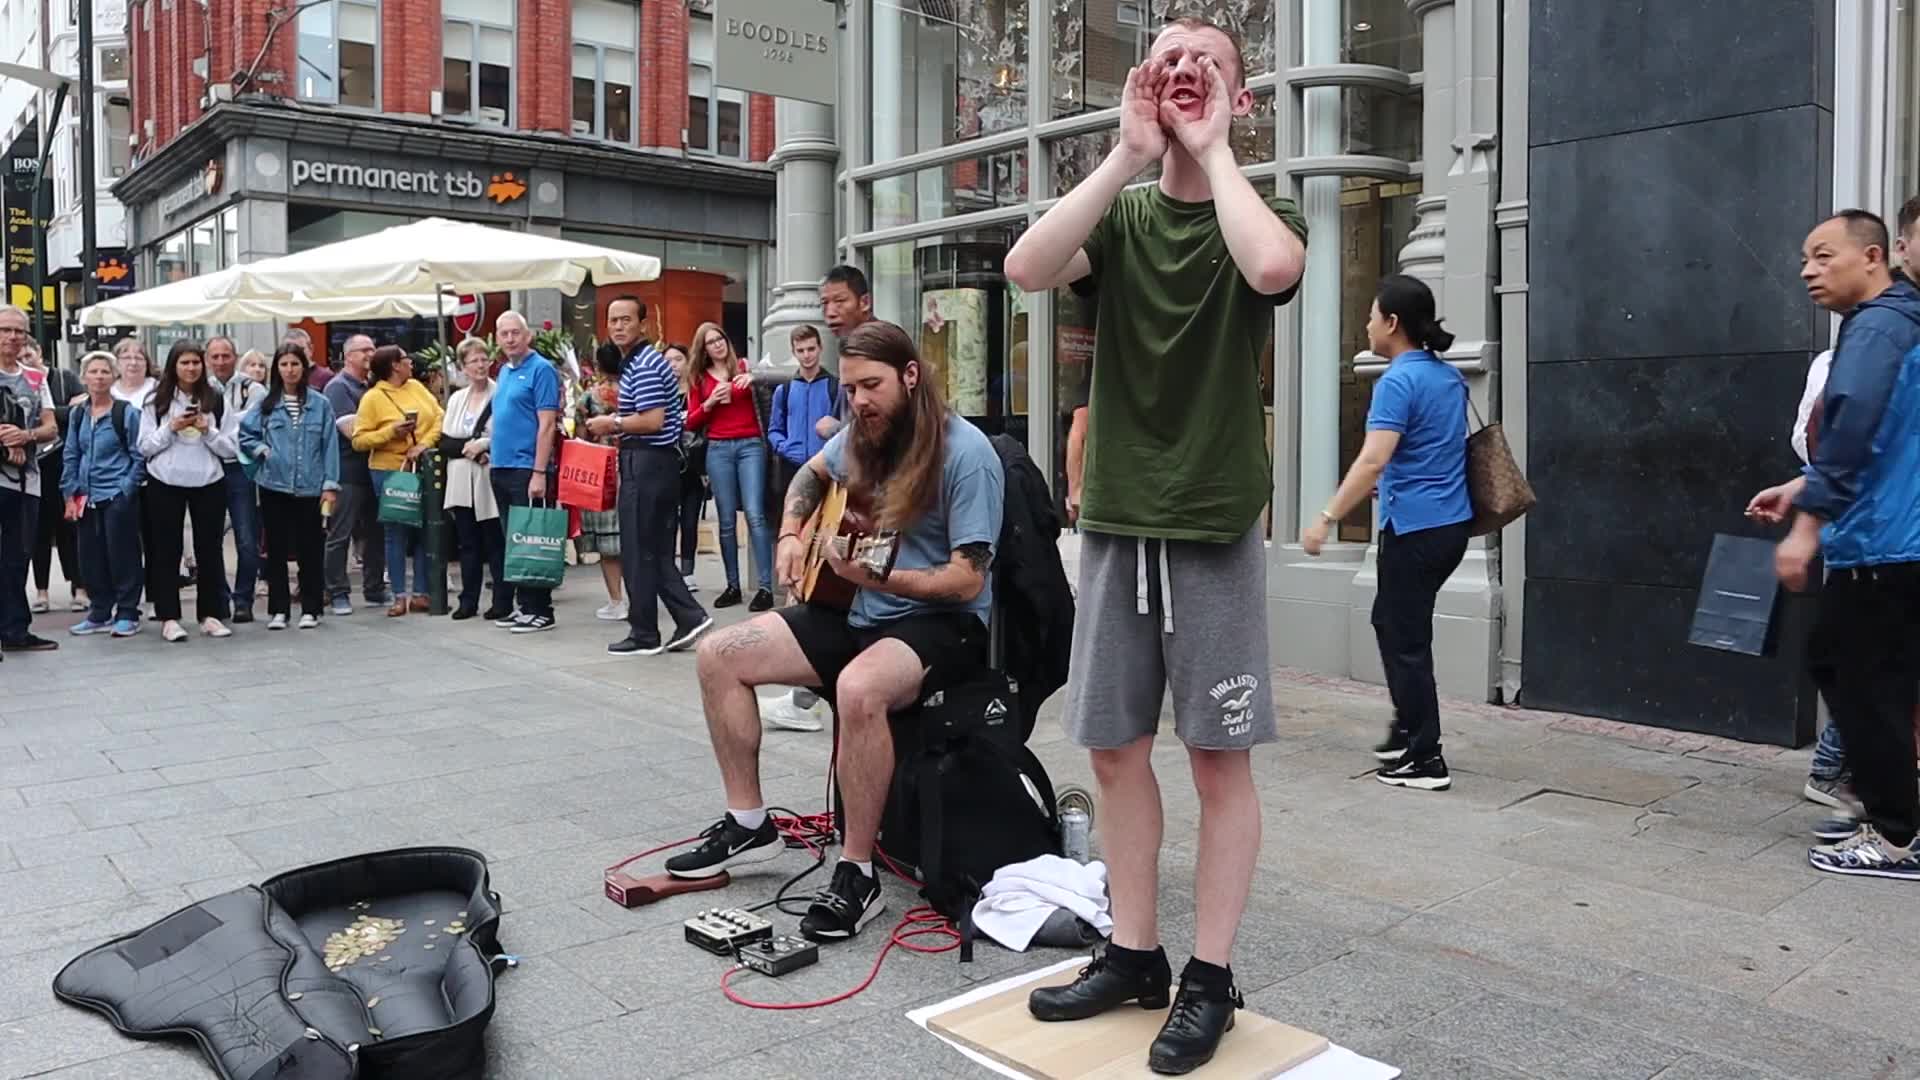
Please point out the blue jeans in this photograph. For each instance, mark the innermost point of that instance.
(399, 537)
(1829, 755)
(109, 535)
(243, 512)
(19, 525)
(738, 470)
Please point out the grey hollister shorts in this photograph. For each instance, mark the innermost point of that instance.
(1182, 616)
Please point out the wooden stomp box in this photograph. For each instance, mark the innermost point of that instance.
(1113, 1045)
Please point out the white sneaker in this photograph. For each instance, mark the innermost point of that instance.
(278, 622)
(692, 585)
(172, 631)
(214, 628)
(612, 611)
(309, 622)
(781, 712)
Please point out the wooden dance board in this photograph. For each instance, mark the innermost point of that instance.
(1112, 1046)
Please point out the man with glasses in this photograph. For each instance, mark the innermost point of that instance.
(243, 514)
(355, 514)
(26, 422)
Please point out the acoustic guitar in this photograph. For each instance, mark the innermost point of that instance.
(845, 529)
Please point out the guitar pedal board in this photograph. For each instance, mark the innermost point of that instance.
(777, 956)
(724, 931)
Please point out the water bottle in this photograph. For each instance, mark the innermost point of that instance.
(1076, 835)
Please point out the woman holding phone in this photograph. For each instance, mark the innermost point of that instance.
(399, 421)
(470, 501)
(101, 481)
(292, 437)
(185, 432)
(720, 403)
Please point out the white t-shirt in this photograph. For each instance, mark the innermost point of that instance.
(1816, 386)
(135, 398)
(27, 383)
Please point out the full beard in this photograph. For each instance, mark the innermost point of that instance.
(877, 452)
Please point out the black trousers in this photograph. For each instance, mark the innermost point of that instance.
(1412, 568)
(483, 550)
(693, 499)
(167, 510)
(649, 505)
(294, 531)
(56, 532)
(1864, 656)
(510, 490)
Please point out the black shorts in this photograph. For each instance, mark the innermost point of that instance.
(952, 645)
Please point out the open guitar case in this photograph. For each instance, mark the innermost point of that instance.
(372, 967)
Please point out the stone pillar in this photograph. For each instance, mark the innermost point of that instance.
(804, 162)
(1452, 248)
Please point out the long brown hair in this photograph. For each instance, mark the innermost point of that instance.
(698, 362)
(202, 392)
(902, 473)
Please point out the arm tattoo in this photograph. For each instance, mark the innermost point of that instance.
(978, 555)
(805, 493)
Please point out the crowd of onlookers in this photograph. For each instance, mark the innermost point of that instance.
(145, 470)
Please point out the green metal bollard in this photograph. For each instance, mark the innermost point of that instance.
(433, 506)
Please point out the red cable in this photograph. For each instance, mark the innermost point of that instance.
(917, 922)
(802, 831)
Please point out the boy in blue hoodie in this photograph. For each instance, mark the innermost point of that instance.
(1858, 504)
(806, 412)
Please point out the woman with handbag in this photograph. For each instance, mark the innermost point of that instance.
(599, 395)
(720, 405)
(693, 475)
(1416, 452)
(476, 516)
(186, 433)
(295, 450)
(398, 422)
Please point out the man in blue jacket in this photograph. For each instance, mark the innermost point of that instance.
(1858, 503)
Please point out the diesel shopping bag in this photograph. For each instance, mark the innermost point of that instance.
(536, 545)
(589, 475)
(1738, 597)
(400, 499)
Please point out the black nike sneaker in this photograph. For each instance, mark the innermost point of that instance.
(725, 844)
(1195, 1024)
(849, 902)
(1104, 985)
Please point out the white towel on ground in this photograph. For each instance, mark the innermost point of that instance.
(1017, 902)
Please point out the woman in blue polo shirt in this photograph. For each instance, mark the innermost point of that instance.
(1416, 452)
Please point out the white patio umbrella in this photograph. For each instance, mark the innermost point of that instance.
(198, 300)
(435, 253)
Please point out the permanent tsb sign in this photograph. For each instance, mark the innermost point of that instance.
(786, 48)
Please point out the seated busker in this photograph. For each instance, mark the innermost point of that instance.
(934, 479)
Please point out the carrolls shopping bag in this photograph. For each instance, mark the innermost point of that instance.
(1739, 597)
(589, 475)
(400, 499)
(536, 546)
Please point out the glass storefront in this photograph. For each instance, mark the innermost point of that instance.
(946, 74)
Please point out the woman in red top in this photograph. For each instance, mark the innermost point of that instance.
(720, 402)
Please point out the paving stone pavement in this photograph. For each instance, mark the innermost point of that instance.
(1591, 900)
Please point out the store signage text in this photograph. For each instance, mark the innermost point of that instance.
(203, 183)
(502, 188)
(778, 47)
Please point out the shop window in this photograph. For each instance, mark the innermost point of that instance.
(970, 324)
(338, 53)
(477, 65)
(605, 69)
(716, 116)
(116, 153)
(958, 187)
(1095, 42)
(946, 72)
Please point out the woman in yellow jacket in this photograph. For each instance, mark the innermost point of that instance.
(399, 420)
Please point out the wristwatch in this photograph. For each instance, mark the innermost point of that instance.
(1329, 518)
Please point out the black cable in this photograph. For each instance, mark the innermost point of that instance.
(780, 899)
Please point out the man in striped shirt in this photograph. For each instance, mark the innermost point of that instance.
(649, 426)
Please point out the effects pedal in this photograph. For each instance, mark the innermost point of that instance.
(777, 956)
(630, 892)
(724, 931)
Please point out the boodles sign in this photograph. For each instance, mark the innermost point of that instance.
(785, 48)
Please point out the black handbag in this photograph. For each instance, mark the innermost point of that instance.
(454, 446)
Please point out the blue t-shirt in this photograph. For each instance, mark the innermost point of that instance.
(1425, 483)
(647, 382)
(972, 501)
(522, 391)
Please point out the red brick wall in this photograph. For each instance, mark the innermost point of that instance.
(663, 80)
(544, 36)
(246, 28)
(759, 127)
(409, 45)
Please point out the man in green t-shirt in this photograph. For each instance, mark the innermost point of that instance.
(1173, 559)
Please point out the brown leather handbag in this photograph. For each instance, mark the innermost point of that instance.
(1495, 483)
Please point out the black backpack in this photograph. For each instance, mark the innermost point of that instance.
(968, 796)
